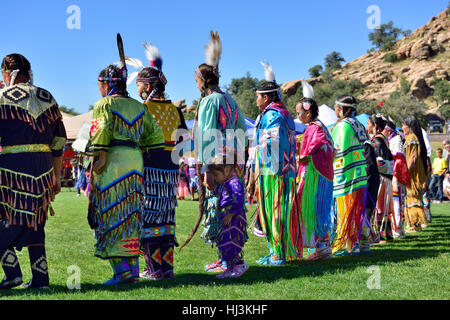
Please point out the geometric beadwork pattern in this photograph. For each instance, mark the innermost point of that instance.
(40, 265)
(9, 259)
(15, 94)
(168, 257)
(44, 95)
(157, 256)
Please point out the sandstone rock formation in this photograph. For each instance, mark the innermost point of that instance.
(421, 56)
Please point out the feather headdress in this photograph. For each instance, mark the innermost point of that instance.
(271, 84)
(153, 56)
(308, 91)
(269, 75)
(213, 50)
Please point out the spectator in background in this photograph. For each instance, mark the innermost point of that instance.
(439, 170)
(68, 156)
(193, 180)
(445, 154)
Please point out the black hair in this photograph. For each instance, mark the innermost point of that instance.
(154, 79)
(209, 75)
(16, 61)
(391, 124)
(219, 162)
(378, 121)
(313, 107)
(269, 85)
(347, 110)
(113, 71)
(412, 122)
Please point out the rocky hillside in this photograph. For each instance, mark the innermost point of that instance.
(420, 56)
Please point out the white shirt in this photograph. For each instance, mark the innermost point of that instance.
(427, 143)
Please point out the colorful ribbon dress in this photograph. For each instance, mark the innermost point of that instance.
(275, 174)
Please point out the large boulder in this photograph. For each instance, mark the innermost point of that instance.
(421, 50)
(420, 89)
(290, 88)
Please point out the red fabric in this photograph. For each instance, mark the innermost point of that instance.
(401, 171)
(67, 157)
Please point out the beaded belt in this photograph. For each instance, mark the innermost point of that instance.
(25, 148)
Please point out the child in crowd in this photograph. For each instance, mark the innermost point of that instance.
(183, 190)
(437, 179)
(193, 180)
(232, 234)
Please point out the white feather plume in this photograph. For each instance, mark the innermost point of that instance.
(131, 77)
(213, 50)
(134, 62)
(152, 54)
(308, 91)
(269, 75)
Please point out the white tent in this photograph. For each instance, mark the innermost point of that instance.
(73, 124)
(327, 115)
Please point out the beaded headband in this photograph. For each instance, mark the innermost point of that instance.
(353, 105)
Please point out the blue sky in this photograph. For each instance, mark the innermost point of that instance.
(291, 35)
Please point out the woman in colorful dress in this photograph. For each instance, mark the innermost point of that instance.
(161, 172)
(121, 126)
(32, 138)
(350, 179)
(275, 173)
(416, 158)
(316, 183)
(385, 207)
(219, 125)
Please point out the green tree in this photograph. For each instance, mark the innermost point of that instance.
(441, 94)
(385, 36)
(315, 71)
(243, 91)
(333, 60)
(68, 110)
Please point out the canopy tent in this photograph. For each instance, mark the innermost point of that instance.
(73, 124)
(327, 115)
(363, 118)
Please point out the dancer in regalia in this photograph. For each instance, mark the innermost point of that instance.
(350, 179)
(400, 176)
(233, 222)
(385, 207)
(275, 175)
(120, 127)
(219, 124)
(32, 138)
(160, 172)
(416, 158)
(316, 173)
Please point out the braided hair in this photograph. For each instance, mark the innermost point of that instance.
(116, 81)
(348, 104)
(156, 80)
(19, 67)
(209, 75)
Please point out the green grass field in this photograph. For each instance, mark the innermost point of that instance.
(413, 268)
